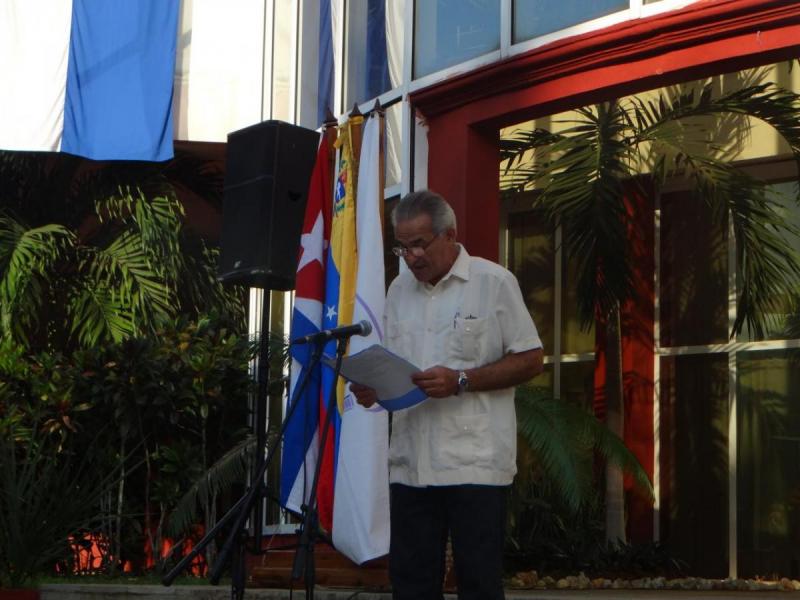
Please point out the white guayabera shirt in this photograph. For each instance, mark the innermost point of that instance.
(472, 317)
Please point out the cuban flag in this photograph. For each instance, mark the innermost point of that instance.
(88, 77)
(302, 436)
(361, 490)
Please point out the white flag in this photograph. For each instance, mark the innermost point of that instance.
(361, 497)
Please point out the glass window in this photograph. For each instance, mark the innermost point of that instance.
(694, 461)
(447, 32)
(531, 257)
(394, 144)
(574, 338)
(577, 383)
(784, 322)
(768, 403)
(282, 61)
(694, 272)
(533, 18)
(374, 48)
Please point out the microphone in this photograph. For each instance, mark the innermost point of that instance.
(363, 328)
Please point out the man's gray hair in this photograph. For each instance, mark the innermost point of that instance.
(425, 202)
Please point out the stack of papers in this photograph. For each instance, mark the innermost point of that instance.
(385, 372)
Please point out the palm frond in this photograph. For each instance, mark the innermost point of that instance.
(123, 291)
(157, 223)
(768, 265)
(198, 287)
(127, 251)
(514, 147)
(769, 270)
(97, 314)
(775, 106)
(125, 265)
(230, 469)
(564, 438)
(583, 191)
(27, 255)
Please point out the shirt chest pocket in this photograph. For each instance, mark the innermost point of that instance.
(468, 341)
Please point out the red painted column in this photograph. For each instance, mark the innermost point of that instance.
(463, 166)
(638, 359)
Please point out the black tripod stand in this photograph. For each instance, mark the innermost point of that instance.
(235, 547)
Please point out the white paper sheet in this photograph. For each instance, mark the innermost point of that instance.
(385, 372)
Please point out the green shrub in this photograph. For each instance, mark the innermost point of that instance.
(173, 403)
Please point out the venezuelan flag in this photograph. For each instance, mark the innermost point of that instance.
(340, 293)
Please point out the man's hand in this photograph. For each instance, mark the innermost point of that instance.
(365, 396)
(437, 382)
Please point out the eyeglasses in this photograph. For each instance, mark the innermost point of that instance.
(415, 251)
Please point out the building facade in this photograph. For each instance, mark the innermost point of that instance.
(714, 420)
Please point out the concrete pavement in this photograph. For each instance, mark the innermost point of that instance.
(208, 592)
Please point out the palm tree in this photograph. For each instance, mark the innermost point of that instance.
(97, 252)
(606, 153)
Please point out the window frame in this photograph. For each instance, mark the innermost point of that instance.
(555, 357)
(775, 170)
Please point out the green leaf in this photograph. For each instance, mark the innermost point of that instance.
(564, 439)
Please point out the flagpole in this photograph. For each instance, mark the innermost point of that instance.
(260, 423)
(330, 133)
(355, 127)
(380, 114)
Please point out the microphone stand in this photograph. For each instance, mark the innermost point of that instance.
(240, 511)
(304, 563)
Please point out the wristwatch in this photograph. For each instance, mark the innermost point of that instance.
(463, 382)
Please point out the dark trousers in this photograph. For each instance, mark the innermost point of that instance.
(420, 520)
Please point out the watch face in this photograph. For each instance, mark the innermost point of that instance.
(462, 380)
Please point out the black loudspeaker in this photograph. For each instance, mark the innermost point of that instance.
(268, 168)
